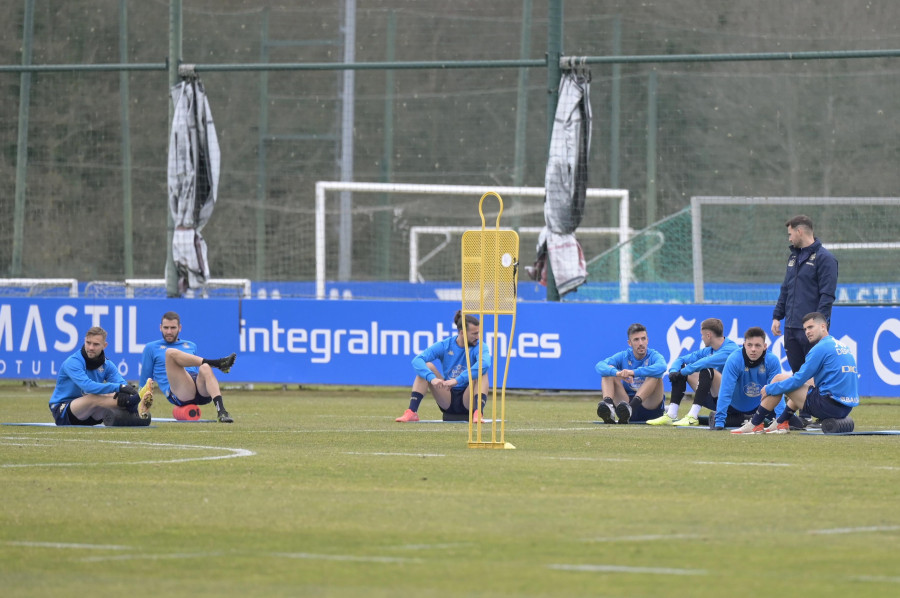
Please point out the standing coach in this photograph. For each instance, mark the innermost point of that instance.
(809, 286)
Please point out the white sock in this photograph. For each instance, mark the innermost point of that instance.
(672, 410)
(695, 410)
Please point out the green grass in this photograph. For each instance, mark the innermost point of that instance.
(338, 500)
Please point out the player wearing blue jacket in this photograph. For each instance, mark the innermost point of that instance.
(90, 390)
(810, 284)
(833, 368)
(744, 375)
(632, 381)
(184, 377)
(450, 385)
(702, 370)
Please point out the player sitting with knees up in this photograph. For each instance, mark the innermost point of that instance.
(450, 385)
(744, 375)
(702, 370)
(632, 381)
(90, 390)
(184, 377)
(832, 367)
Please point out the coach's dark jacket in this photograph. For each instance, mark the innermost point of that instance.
(809, 285)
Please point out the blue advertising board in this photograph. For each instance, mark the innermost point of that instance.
(305, 341)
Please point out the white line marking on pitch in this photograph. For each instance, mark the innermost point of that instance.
(622, 569)
(150, 557)
(396, 454)
(603, 459)
(647, 538)
(741, 463)
(877, 578)
(345, 557)
(232, 453)
(855, 530)
(431, 546)
(67, 545)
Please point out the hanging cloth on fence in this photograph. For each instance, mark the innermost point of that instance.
(194, 159)
(565, 185)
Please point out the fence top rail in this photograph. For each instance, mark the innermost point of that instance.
(565, 62)
(571, 62)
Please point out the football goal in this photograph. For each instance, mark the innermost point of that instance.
(366, 231)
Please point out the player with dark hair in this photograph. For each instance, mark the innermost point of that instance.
(184, 377)
(702, 370)
(810, 284)
(450, 385)
(90, 390)
(744, 375)
(836, 392)
(632, 381)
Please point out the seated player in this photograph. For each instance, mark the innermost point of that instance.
(836, 392)
(632, 381)
(185, 378)
(450, 384)
(744, 375)
(90, 390)
(702, 370)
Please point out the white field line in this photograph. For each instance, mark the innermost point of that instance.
(231, 453)
(742, 463)
(345, 557)
(877, 579)
(622, 569)
(395, 454)
(647, 538)
(625, 459)
(68, 545)
(445, 546)
(150, 557)
(855, 530)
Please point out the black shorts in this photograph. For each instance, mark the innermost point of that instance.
(640, 414)
(456, 402)
(63, 416)
(823, 406)
(198, 399)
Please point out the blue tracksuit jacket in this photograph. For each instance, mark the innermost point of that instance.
(810, 284)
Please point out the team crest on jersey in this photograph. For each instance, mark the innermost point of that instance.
(753, 389)
(791, 262)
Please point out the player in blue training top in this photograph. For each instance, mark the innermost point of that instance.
(184, 377)
(90, 390)
(702, 370)
(744, 375)
(836, 391)
(450, 384)
(632, 381)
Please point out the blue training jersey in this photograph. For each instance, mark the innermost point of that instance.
(153, 361)
(741, 387)
(653, 365)
(832, 365)
(704, 358)
(453, 361)
(75, 380)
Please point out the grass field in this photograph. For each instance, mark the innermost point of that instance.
(317, 492)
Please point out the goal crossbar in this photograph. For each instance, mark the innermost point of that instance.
(322, 187)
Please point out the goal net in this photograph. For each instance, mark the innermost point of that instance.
(382, 232)
(156, 288)
(38, 287)
(734, 250)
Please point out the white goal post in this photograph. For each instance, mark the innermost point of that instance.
(473, 191)
(698, 202)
